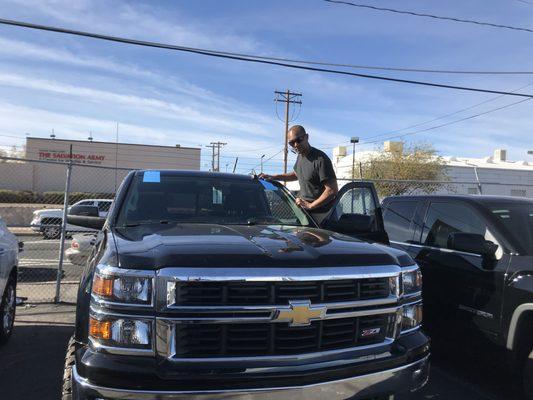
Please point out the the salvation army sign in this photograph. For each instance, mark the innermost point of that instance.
(62, 155)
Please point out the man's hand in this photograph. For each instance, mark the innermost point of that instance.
(264, 176)
(306, 205)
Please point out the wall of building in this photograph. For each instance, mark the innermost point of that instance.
(89, 158)
(121, 155)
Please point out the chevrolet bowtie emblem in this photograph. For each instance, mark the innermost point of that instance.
(300, 313)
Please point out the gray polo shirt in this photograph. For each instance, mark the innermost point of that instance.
(313, 170)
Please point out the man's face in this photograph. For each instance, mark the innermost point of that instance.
(298, 141)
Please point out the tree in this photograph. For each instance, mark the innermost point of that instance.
(413, 169)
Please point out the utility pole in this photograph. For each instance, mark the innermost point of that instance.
(288, 98)
(353, 140)
(215, 155)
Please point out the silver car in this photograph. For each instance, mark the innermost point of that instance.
(80, 248)
(9, 250)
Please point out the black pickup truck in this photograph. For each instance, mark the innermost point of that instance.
(217, 286)
(476, 257)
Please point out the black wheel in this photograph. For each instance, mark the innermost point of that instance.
(52, 232)
(528, 377)
(66, 387)
(7, 310)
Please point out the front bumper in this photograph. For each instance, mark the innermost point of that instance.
(406, 378)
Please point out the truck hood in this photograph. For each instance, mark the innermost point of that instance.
(211, 245)
(48, 211)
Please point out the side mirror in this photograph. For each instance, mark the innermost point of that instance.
(85, 216)
(472, 243)
(352, 224)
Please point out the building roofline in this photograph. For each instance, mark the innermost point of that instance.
(113, 143)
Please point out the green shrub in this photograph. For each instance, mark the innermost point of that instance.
(17, 196)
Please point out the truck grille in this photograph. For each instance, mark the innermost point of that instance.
(279, 293)
(267, 339)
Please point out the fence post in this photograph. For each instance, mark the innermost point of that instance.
(63, 230)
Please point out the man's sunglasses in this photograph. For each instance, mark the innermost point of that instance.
(298, 140)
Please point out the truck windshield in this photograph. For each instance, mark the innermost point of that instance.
(166, 197)
(517, 222)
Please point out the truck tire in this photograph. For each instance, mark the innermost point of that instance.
(66, 387)
(528, 377)
(52, 232)
(8, 310)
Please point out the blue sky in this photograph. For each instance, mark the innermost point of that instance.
(75, 85)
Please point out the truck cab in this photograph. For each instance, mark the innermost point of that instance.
(476, 257)
(210, 285)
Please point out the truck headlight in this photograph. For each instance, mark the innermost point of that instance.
(121, 332)
(119, 287)
(411, 281)
(412, 316)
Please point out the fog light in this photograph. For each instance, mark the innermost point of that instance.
(129, 332)
(412, 316)
(99, 329)
(121, 332)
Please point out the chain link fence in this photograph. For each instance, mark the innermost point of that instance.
(33, 195)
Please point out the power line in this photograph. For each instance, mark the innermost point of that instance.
(416, 14)
(449, 123)
(445, 115)
(254, 59)
(267, 160)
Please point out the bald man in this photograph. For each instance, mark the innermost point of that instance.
(315, 174)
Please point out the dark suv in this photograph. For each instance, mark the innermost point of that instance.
(476, 257)
(217, 286)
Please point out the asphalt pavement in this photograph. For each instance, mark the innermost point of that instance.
(31, 364)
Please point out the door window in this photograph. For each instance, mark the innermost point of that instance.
(103, 206)
(444, 218)
(357, 200)
(397, 218)
(86, 203)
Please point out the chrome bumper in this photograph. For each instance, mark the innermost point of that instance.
(402, 379)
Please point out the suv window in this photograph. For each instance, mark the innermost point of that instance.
(397, 218)
(104, 206)
(86, 203)
(444, 218)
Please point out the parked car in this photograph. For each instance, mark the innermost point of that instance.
(476, 257)
(9, 250)
(212, 285)
(48, 221)
(80, 248)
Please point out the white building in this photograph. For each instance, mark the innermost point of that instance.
(495, 174)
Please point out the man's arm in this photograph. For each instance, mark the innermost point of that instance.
(330, 191)
(289, 176)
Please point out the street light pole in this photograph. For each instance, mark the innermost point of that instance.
(263, 156)
(353, 140)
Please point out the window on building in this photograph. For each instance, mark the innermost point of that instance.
(397, 218)
(518, 192)
(444, 218)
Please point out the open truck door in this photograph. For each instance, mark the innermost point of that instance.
(357, 212)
